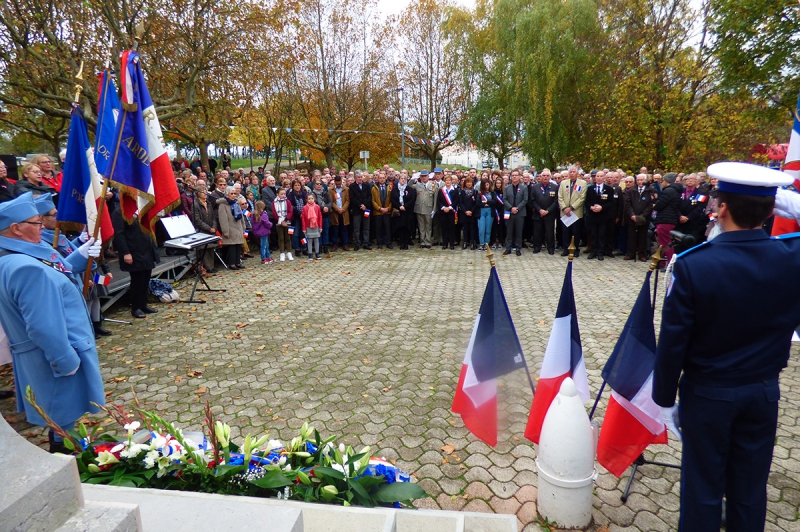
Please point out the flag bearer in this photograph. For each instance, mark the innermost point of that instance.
(723, 343)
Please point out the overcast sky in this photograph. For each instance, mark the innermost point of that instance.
(393, 7)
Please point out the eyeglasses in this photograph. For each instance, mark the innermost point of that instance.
(48, 215)
(40, 224)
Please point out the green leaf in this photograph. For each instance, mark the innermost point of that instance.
(357, 488)
(225, 470)
(272, 480)
(97, 480)
(328, 472)
(398, 491)
(369, 481)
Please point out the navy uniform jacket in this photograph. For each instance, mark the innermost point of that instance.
(605, 200)
(544, 198)
(693, 206)
(729, 313)
(50, 334)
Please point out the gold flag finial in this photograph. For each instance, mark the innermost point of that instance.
(656, 259)
(79, 84)
(572, 249)
(490, 256)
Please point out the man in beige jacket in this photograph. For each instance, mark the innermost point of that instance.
(571, 195)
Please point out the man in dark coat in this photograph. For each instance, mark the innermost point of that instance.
(597, 210)
(544, 211)
(638, 206)
(139, 256)
(515, 201)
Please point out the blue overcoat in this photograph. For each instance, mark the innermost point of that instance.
(49, 332)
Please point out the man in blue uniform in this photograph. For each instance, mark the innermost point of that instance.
(723, 343)
(74, 255)
(45, 317)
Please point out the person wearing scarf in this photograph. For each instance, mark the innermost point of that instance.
(403, 202)
(231, 224)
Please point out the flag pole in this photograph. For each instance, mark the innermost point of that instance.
(493, 266)
(55, 235)
(654, 266)
(88, 273)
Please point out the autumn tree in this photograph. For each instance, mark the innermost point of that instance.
(757, 46)
(336, 84)
(483, 43)
(183, 44)
(434, 87)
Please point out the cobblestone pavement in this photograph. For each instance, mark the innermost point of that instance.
(369, 345)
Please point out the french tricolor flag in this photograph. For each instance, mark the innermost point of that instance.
(633, 420)
(791, 165)
(563, 358)
(104, 280)
(140, 164)
(80, 187)
(493, 350)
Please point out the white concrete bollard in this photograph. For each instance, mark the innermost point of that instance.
(565, 461)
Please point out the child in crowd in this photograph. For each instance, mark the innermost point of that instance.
(282, 212)
(261, 229)
(312, 225)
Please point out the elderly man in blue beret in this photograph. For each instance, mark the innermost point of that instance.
(47, 322)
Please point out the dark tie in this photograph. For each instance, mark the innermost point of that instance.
(383, 194)
(640, 190)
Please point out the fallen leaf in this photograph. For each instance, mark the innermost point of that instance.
(195, 373)
(260, 348)
(448, 448)
(367, 361)
(201, 391)
(445, 461)
(140, 366)
(242, 325)
(178, 378)
(259, 294)
(118, 379)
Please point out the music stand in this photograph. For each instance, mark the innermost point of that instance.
(184, 236)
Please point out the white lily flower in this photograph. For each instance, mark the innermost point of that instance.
(339, 468)
(342, 448)
(132, 426)
(106, 458)
(117, 448)
(288, 467)
(274, 444)
(281, 460)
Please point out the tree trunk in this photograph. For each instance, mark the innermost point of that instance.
(328, 152)
(276, 171)
(204, 154)
(56, 147)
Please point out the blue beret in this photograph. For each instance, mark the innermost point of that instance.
(437, 170)
(17, 210)
(424, 172)
(44, 203)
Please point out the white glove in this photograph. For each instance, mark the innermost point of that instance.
(670, 416)
(84, 236)
(74, 372)
(787, 204)
(91, 248)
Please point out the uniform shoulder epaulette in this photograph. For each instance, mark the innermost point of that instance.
(695, 248)
(786, 236)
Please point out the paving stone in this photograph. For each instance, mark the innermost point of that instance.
(477, 505)
(527, 513)
(478, 490)
(504, 506)
(526, 494)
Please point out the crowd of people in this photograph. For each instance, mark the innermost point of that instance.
(297, 213)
